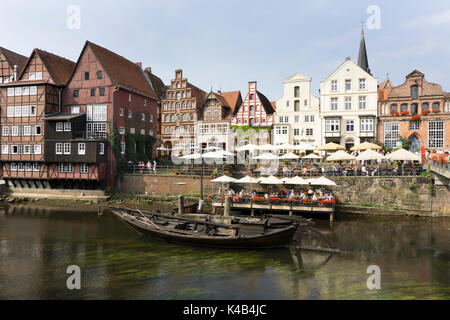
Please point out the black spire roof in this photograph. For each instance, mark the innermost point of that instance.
(363, 62)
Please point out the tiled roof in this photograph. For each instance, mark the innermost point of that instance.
(59, 68)
(14, 59)
(274, 105)
(158, 85)
(197, 93)
(122, 72)
(233, 99)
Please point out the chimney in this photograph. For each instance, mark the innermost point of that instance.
(15, 72)
(139, 64)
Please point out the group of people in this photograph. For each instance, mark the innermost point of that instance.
(311, 194)
(142, 165)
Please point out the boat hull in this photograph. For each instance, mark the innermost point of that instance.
(273, 239)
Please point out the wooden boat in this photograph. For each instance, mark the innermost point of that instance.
(202, 233)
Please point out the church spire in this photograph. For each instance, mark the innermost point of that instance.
(363, 62)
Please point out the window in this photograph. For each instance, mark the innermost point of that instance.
(66, 148)
(129, 114)
(82, 148)
(28, 167)
(99, 74)
(84, 168)
(393, 107)
(20, 167)
(25, 111)
(121, 112)
(414, 125)
(348, 103)
(76, 93)
(132, 131)
(122, 147)
(334, 104)
(142, 131)
(436, 106)
(13, 166)
(404, 107)
(414, 92)
(27, 130)
(284, 129)
(26, 149)
(349, 125)
(391, 133)
(86, 76)
(59, 127)
(425, 106)
(296, 132)
(297, 119)
(38, 130)
(348, 85)
(5, 131)
(362, 102)
(17, 111)
(101, 91)
(309, 131)
(102, 148)
(296, 92)
(367, 124)
(311, 118)
(67, 126)
(14, 130)
(414, 108)
(93, 92)
(14, 149)
(75, 109)
(296, 105)
(334, 85)
(287, 103)
(33, 90)
(305, 102)
(59, 149)
(143, 116)
(37, 149)
(122, 130)
(5, 149)
(362, 84)
(332, 125)
(33, 110)
(36, 167)
(436, 134)
(10, 112)
(150, 132)
(306, 118)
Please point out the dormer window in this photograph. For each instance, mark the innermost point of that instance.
(414, 92)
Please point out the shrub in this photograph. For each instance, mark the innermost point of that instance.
(411, 186)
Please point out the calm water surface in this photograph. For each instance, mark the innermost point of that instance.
(37, 246)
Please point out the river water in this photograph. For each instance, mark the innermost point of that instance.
(37, 246)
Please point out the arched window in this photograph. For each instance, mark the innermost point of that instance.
(167, 118)
(184, 105)
(414, 92)
(189, 105)
(296, 91)
(425, 106)
(173, 118)
(414, 108)
(393, 107)
(184, 117)
(436, 106)
(178, 106)
(173, 105)
(404, 107)
(296, 105)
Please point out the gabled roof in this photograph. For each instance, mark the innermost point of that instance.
(122, 72)
(158, 85)
(58, 67)
(347, 60)
(14, 59)
(415, 73)
(233, 99)
(267, 105)
(297, 76)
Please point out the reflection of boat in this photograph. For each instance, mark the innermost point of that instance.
(203, 233)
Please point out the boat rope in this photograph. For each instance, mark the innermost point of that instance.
(148, 220)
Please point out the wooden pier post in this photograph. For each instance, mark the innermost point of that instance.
(290, 212)
(226, 211)
(180, 205)
(252, 212)
(332, 215)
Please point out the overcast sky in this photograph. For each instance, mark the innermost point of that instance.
(226, 43)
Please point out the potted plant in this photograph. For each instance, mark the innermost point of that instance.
(415, 117)
(394, 112)
(425, 112)
(404, 112)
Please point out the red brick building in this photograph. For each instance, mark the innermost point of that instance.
(25, 102)
(256, 111)
(417, 109)
(113, 92)
(57, 117)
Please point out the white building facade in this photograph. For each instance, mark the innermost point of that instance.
(348, 99)
(297, 116)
